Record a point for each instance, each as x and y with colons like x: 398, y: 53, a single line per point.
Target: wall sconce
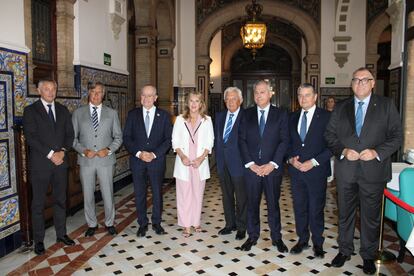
x: 211, y: 84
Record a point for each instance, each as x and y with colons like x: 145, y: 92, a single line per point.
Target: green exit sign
x: 330, y: 80
x: 107, y: 59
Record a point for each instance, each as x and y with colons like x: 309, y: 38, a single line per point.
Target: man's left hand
x: 102, y: 153
x: 306, y: 166
x: 368, y: 155
x: 266, y: 169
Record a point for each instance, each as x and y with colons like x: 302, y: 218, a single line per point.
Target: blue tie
x: 147, y: 123
x: 262, y: 123
x: 50, y: 113
x: 95, y: 121
x: 358, y: 119
x: 303, y: 126
x: 228, y: 128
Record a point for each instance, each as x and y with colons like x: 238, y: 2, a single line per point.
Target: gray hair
x: 152, y: 87
x: 306, y: 85
x: 233, y: 88
x: 262, y: 82
x: 94, y: 84
x: 41, y: 82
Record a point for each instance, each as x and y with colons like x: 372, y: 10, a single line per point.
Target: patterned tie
x: 95, y: 122
x: 228, y: 128
x: 50, y: 113
x: 359, y: 119
x: 303, y: 126
x: 262, y: 123
x: 147, y: 123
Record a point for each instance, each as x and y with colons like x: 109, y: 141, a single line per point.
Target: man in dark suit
x: 363, y: 132
x: 147, y: 137
x: 309, y: 167
x: 49, y: 134
x: 263, y: 141
x: 229, y: 164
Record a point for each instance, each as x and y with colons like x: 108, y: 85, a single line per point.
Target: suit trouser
x: 57, y: 178
x: 369, y: 198
x: 156, y: 177
x: 88, y: 176
x: 309, y: 197
x: 254, y: 188
x: 234, y: 200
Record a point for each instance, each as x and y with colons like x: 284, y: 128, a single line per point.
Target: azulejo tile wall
x: 116, y: 97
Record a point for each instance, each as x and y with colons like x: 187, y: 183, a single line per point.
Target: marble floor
x: 204, y: 253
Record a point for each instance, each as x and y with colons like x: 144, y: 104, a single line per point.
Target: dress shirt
x: 309, y: 117
x: 235, y: 113
x: 98, y: 110
x: 364, y: 106
x: 151, y: 116
x: 49, y: 155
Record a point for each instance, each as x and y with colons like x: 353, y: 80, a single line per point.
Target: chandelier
x: 253, y: 33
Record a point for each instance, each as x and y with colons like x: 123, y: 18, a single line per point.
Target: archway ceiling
x: 207, y: 7
x: 275, y: 26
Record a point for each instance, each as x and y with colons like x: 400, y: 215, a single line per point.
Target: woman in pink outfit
x: 192, y: 140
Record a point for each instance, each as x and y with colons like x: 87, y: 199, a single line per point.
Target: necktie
x: 261, y: 123
x: 95, y: 121
x: 228, y: 128
x: 358, y: 118
x: 303, y: 126
x: 50, y: 113
x: 147, y: 123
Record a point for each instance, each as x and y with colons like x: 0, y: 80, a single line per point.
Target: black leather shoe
x: 158, y: 229
x: 91, y: 231
x: 39, y: 248
x: 225, y: 231
x: 299, y: 247
x: 369, y: 267
x: 247, y: 245
x: 318, y: 252
x: 111, y: 230
x: 281, y: 247
x: 142, y: 230
x: 66, y: 240
x: 240, y: 235
x: 339, y: 260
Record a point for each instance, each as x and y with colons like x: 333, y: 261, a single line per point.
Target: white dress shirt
x: 235, y: 114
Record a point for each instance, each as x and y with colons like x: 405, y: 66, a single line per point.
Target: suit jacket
x: 314, y: 146
x: 273, y: 144
x: 381, y: 131
x: 42, y: 135
x: 159, y: 141
x: 228, y: 153
x: 108, y: 135
x: 181, y: 140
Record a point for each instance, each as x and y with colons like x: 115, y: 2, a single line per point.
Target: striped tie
x: 95, y: 122
x: 228, y: 128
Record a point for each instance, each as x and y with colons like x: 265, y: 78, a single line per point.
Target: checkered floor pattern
x: 205, y: 253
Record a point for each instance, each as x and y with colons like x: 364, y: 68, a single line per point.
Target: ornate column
x: 31, y: 88
x: 203, y: 75
x: 313, y: 72
x: 145, y: 58
x: 64, y: 30
x: 408, y: 120
x: 295, y: 84
x: 165, y: 74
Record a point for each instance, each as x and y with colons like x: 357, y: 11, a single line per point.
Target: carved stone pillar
x: 65, y: 52
x: 29, y: 43
x: 145, y: 58
x: 165, y: 74
x: 312, y: 62
x: 408, y: 123
x: 203, y: 75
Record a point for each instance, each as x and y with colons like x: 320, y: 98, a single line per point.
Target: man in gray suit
x: 97, y: 136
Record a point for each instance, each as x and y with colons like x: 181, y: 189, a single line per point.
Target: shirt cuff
x: 154, y: 155
x: 109, y: 151
x: 341, y: 157
x: 50, y: 154
x: 274, y: 164
x: 248, y: 164
x: 314, y: 162
x: 138, y: 154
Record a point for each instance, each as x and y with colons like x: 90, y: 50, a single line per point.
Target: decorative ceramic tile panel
x: 9, y: 216
x: 3, y: 107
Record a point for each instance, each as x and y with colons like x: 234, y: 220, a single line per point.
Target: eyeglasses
x: 363, y: 81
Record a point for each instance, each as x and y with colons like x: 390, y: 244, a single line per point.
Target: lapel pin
x: 158, y: 114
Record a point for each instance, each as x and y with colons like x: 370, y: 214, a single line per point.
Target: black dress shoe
x: 340, y: 259
x: 91, y: 231
x: 111, y: 230
x: 240, y: 235
x: 299, y: 247
x: 318, y: 252
x: 39, y: 248
x: 247, y: 245
x: 281, y: 247
x: 158, y: 229
x: 369, y: 267
x: 142, y: 230
x: 66, y: 240
x: 225, y: 231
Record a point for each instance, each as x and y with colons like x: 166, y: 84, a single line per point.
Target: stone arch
x: 308, y: 27
x: 374, y: 31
